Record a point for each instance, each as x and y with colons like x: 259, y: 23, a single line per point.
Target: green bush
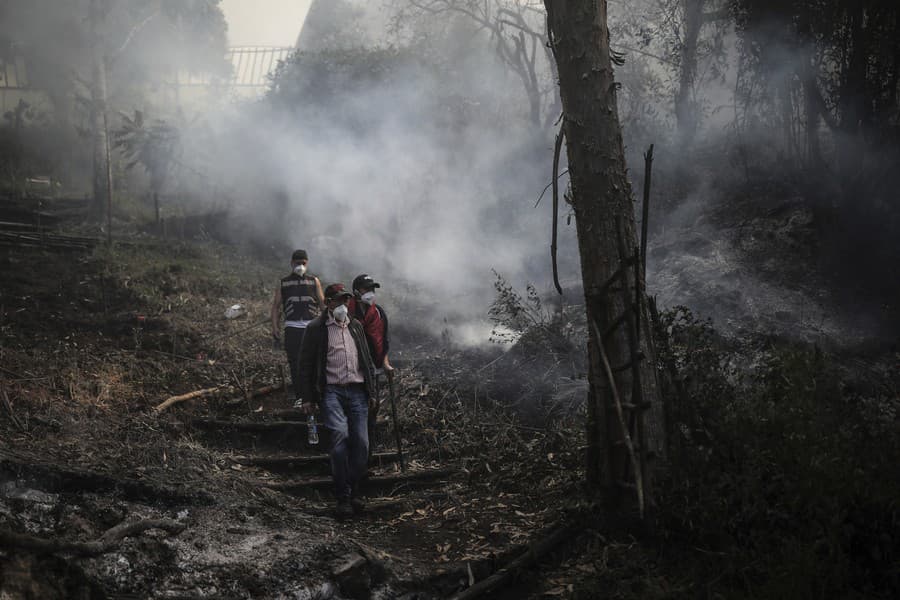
x: 783, y: 467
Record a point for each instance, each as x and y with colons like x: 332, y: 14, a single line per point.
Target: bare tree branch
x: 131, y: 34
x: 105, y: 543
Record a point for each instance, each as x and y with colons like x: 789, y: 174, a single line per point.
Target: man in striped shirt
x: 338, y: 377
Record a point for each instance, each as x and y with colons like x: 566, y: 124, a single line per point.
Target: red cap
x: 336, y: 290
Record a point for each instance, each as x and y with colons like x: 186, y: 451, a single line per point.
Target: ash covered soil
x: 227, y: 498
x: 94, y: 340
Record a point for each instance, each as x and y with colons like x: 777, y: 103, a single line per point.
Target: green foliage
x: 543, y: 373
x: 781, y: 474
x: 28, y: 148
x: 511, y: 314
x: 324, y: 75
x: 176, y: 274
x: 363, y: 87
x: 528, y: 323
x: 154, y: 146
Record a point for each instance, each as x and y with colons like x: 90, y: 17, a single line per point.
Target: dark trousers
x: 345, y: 411
x: 293, y: 339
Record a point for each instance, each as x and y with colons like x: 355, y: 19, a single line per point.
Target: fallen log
x: 257, y: 426
x: 59, y: 479
x: 287, y: 462
x: 102, y: 545
x: 380, y: 481
x: 190, y: 396
x: 535, y: 552
x: 263, y: 391
x: 247, y: 426
x: 371, y: 508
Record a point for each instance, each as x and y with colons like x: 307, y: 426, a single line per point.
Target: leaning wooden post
x: 557, y: 148
x: 648, y: 169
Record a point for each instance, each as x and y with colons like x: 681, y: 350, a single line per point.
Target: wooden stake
x: 621, y: 416
x: 645, y: 213
x: 556, y: 151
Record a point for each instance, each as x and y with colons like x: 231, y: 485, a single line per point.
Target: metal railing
x: 250, y: 67
x: 12, y: 73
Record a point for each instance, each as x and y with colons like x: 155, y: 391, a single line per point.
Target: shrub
x: 782, y: 471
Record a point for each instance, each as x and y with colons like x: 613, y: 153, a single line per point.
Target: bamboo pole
x: 638, y: 478
x: 645, y: 211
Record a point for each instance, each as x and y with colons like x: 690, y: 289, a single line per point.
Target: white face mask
x: 340, y: 313
x: 368, y: 298
x: 300, y: 269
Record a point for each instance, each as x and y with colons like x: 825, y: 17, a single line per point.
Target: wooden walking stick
x: 396, y: 423
x: 373, y: 417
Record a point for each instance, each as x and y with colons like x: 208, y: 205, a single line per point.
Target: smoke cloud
x: 383, y: 160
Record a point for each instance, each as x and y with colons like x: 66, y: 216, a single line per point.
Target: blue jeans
x: 345, y: 412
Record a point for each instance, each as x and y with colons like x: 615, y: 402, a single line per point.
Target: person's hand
x: 309, y: 408
x: 276, y: 336
x: 389, y: 372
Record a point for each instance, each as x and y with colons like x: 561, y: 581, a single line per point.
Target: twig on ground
x: 535, y: 552
x: 105, y: 543
x: 9, y: 409
x: 190, y: 396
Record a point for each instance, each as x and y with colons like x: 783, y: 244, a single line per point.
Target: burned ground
x: 780, y: 473
x: 94, y: 339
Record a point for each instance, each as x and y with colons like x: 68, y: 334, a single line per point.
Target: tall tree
x: 686, y: 40
x: 695, y: 14
x: 111, y: 46
x: 601, y: 200
x: 518, y: 32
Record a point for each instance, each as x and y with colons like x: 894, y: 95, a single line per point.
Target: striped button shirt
x: 342, y: 359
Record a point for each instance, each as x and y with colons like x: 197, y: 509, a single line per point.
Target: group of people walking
x: 337, y: 347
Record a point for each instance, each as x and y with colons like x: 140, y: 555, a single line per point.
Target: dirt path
x: 94, y: 339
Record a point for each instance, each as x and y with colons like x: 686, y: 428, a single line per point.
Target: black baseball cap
x: 364, y: 282
x: 336, y: 290
x: 299, y: 255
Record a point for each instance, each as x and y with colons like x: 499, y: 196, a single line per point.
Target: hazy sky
x: 264, y: 22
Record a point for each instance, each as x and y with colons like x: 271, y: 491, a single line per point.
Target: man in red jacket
x: 374, y: 321
x: 375, y: 324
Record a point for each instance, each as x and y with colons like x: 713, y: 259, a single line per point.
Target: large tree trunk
x: 686, y: 116
x: 854, y: 101
x: 601, y: 197
x: 101, y: 179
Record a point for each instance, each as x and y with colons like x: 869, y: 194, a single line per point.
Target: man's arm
x: 320, y: 295
x: 307, y: 363
x: 388, y: 368
x: 276, y: 313
x: 362, y: 349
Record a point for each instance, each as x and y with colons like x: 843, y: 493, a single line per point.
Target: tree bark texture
x: 601, y: 198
